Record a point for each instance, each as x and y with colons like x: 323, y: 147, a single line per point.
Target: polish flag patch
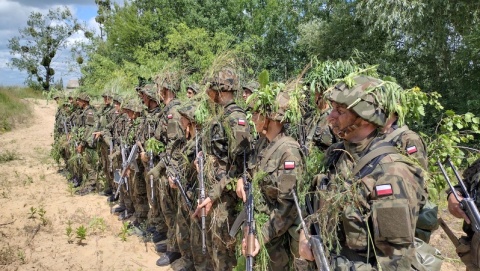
x: 412, y: 149
x: 241, y: 122
x: 170, y: 116
x: 384, y: 190
x: 289, y: 165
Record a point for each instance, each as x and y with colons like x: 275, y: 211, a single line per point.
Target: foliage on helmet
x: 223, y: 74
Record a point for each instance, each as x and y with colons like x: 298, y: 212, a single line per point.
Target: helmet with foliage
x: 149, y: 90
x: 277, y: 103
x: 252, y: 86
x: 363, y: 95
x: 134, y: 105
x: 225, y: 79
x: 169, y: 80
x: 83, y: 96
x: 118, y: 98
x: 107, y: 94
x: 188, y: 110
x: 194, y: 87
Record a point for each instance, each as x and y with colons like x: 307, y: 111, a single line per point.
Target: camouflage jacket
x: 87, y: 120
x: 118, y: 128
x: 384, y: 205
x: 103, y: 118
x: 317, y: 131
x: 226, y: 141
x: 410, y: 144
x: 282, y: 161
x: 62, y: 120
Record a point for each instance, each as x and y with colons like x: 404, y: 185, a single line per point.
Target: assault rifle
x: 150, y: 167
x: 250, y: 221
x: 467, y: 203
x: 123, y: 178
x: 201, y: 198
x: 314, y: 241
x: 110, y: 150
x: 176, y: 179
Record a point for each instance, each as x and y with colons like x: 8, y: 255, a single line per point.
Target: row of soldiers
x: 185, y: 181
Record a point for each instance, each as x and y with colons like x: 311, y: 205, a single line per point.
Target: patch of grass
x: 33, y: 212
x: 13, y: 110
x: 69, y: 232
x: 124, y: 231
x: 97, y: 225
x: 8, y: 156
x: 7, y: 255
x: 81, y: 234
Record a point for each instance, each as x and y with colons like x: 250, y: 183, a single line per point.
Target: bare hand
x: 304, y: 248
x: 455, y: 209
x: 196, y: 161
x: 172, y: 183
x: 241, y: 190
x: 255, y: 250
x: 144, y: 157
x: 97, y: 135
x: 207, y: 203
x: 79, y: 149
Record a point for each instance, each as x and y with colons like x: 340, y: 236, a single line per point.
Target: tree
x: 39, y: 42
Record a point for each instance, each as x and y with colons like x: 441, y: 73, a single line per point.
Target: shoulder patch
x: 289, y: 165
x: 241, y: 122
x: 170, y: 116
x: 412, y: 149
x: 384, y: 190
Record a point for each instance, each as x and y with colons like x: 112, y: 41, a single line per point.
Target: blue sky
x: 14, y: 15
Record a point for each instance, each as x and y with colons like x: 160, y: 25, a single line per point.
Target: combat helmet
x: 226, y: 79
x: 133, y: 105
x: 169, y: 80
x: 194, y: 87
x: 252, y: 86
x: 149, y: 91
x: 83, y: 96
x: 107, y: 94
x: 363, y: 95
x: 188, y: 110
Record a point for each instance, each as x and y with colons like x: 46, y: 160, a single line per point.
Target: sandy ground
x: 33, y: 243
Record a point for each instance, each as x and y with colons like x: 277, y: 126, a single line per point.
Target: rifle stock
x: 123, y: 178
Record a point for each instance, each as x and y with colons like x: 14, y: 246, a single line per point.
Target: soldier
x: 192, y: 90
x: 281, y: 161
x: 104, y: 117
x: 227, y: 141
x: 381, y: 190
x: 468, y: 246
x: 86, y: 121
x: 150, y: 122
x: 171, y: 135
x: 249, y: 88
x: 136, y: 188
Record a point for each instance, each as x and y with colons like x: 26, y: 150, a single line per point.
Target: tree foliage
x: 37, y: 45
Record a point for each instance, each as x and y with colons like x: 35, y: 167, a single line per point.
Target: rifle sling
x: 263, y: 162
x: 382, y: 150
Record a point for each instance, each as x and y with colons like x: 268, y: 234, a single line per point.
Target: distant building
x: 72, y: 84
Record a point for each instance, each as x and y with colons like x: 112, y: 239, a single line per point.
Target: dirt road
x: 31, y: 185
x: 31, y: 241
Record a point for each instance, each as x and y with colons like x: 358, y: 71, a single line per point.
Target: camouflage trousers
x: 182, y: 231
x: 201, y: 260
x: 154, y: 216
x: 168, y: 205
x: 138, y: 193
x: 468, y: 251
x: 105, y: 163
x: 222, y: 249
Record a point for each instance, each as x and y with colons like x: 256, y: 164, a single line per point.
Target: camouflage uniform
x: 387, y: 192
x: 318, y: 133
x: 104, y: 117
x: 469, y: 247
x: 137, y: 189
x: 151, y: 122
x: 283, y: 166
x: 86, y: 121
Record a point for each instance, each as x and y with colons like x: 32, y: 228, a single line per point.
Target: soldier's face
x: 190, y: 93
x: 260, y: 122
x: 341, y: 119
x: 107, y: 100
x: 246, y: 93
x: 213, y: 95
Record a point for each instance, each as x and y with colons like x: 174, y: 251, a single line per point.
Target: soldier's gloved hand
x: 144, y: 157
x: 455, y: 209
x: 304, y: 249
x: 241, y: 190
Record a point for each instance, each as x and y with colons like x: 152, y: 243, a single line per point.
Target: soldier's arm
x: 284, y: 216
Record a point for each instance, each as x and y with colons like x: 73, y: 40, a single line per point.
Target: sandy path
x: 32, y: 181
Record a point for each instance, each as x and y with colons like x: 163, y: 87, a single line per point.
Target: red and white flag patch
x: 170, y: 116
x: 241, y: 122
x: 289, y: 165
x: 384, y: 190
x: 412, y: 149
